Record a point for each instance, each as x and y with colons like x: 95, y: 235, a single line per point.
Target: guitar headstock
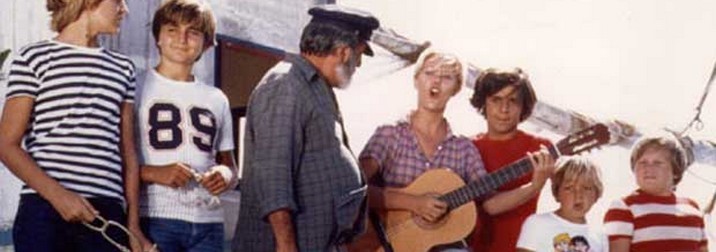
x: 584, y: 140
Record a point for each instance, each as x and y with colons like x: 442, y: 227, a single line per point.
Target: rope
x: 698, y: 124
x: 713, y: 183
x: 696, y: 121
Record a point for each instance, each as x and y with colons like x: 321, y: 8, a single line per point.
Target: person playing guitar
x: 506, y: 98
x: 398, y: 154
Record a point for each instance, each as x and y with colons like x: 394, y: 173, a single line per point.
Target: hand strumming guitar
x: 428, y: 207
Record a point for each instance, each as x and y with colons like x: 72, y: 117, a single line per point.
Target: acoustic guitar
x: 408, y: 232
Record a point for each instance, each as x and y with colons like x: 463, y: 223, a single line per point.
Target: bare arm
x: 283, y: 230
x: 620, y: 245
x: 543, y: 165
x: 130, y: 165
x: 131, y: 177
x: 15, y: 118
x: 171, y: 175
x: 508, y: 200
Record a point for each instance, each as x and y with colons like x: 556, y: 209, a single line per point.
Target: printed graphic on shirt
x: 564, y: 243
x: 165, y: 131
x: 181, y: 122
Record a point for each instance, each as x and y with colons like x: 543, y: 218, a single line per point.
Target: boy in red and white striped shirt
x: 653, y: 218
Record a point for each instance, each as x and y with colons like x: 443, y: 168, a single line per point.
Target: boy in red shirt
x: 506, y: 98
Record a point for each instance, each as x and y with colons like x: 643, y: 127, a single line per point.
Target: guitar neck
x: 491, y: 181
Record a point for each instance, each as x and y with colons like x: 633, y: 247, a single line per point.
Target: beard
x: 345, y: 71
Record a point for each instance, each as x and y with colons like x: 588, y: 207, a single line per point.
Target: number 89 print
x: 165, y: 131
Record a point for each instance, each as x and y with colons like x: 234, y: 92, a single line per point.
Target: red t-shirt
x: 499, y: 233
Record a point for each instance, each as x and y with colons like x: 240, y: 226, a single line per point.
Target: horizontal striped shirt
x: 656, y: 223
x: 73, y: 132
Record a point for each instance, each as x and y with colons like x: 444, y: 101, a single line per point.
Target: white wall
x: 21, y: 21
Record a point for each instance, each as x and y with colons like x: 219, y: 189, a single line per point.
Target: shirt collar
x: 307, y: 70
x: 642, y: 192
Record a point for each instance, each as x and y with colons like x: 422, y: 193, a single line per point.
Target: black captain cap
x: 358, y: 21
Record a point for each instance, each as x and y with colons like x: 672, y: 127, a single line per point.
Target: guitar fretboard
x: 490, y: 182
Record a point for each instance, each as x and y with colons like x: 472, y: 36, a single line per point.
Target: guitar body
x: 407, y: 232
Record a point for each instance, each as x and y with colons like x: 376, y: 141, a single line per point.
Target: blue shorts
x: 40, y: 228
x: 182, y: 236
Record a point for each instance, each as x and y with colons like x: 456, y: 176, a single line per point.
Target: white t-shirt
x: 184, y: 122
x: 548, y: 232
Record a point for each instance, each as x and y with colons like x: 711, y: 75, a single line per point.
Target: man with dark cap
x: 302, y: 189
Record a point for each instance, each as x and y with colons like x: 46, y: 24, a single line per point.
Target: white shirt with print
x: 548, y: 232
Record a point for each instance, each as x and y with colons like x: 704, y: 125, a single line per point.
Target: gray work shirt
x: 295, y: 158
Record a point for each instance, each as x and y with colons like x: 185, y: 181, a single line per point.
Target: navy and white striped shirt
x: 74, y: 129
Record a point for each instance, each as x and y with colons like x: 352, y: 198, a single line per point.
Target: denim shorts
x: 40, y: 228
x: 182, y: 236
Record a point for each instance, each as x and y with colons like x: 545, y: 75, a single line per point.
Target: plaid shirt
x: 396, y: 149
x: 296, y: 159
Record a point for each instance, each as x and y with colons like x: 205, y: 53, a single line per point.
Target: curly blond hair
x: 64, y: 12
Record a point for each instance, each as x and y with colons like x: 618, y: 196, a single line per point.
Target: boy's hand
x: 214, y: 183
x: 141, y: 243
x: 172, y: 175
x: 73, y: 207
x: 543, y: 164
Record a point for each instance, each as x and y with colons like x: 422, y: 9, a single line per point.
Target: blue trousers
x: 182, y: 236
x: 40, y: 228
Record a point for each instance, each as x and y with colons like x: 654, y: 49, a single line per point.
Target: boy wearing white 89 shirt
x: 184, y: 128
